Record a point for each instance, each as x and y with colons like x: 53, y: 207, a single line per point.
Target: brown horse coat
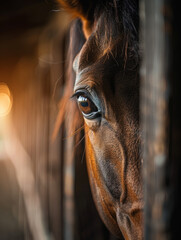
x: 107, y: 92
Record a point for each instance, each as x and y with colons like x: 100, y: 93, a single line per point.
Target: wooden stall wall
x: 160, y: 117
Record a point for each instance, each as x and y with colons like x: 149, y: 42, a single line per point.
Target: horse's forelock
x: 115, y: 31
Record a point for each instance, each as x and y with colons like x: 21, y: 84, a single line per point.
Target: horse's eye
x: 86, y: 105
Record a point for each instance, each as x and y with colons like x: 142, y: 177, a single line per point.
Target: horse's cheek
x: 106, y: 212
x: 101, y: 157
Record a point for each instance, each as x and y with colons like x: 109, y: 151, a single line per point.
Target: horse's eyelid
x: 76, y: 94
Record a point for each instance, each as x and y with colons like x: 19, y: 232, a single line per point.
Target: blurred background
x: 44, y: 192
x: 44, y: 189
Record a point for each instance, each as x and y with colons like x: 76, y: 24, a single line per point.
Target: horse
x: 105, y: 58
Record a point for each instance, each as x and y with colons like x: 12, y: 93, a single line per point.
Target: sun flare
x: 5, y: 100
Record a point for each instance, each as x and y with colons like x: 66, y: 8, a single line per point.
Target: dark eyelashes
x: 76, y: 94
x: 79, y: 93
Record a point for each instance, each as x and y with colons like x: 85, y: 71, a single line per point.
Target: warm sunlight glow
x: 5, y: 100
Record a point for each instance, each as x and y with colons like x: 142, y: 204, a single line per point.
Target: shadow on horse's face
x: 107, y: 91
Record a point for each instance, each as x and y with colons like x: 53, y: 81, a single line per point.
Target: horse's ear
x: 84, y: 9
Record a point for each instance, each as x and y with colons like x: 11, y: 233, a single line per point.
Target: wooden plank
x: 154, y: 116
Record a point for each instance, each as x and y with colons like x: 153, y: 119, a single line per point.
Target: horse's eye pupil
x: 86, y: 105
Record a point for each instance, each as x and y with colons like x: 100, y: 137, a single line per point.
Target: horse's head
x: 107, y: 91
